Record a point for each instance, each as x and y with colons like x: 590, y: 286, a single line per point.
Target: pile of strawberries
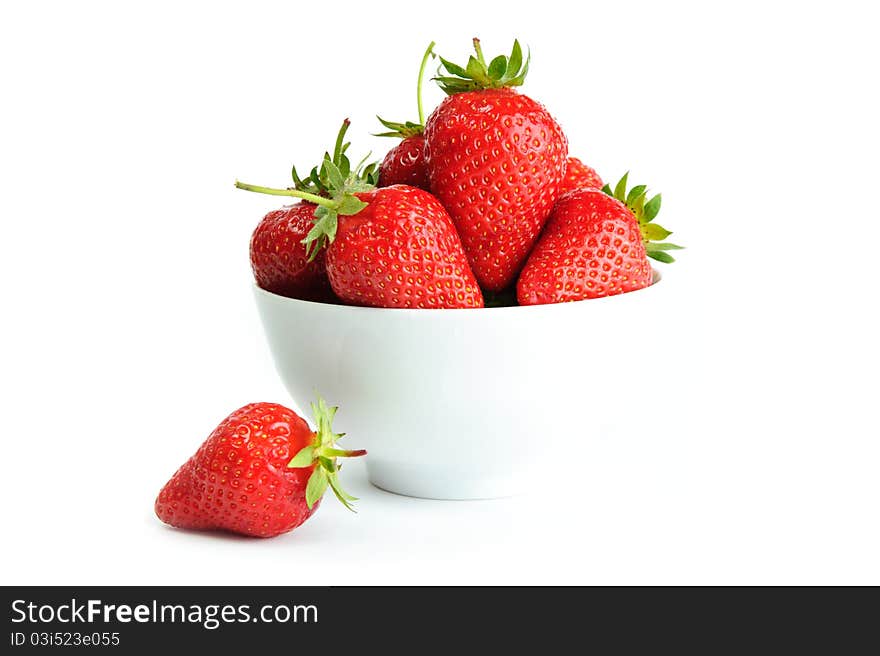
x: 479, y: 205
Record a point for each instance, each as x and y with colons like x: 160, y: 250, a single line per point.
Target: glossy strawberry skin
x: 401, y: 251
x: 580, y: 176
x: 278, y: 256
x: 496, y: 160
x: 405, y: 164
x: 239, y: 481
x: 591, y: 247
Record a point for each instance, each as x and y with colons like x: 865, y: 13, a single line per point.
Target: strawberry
x: 401, y: 250
x: 405, y: 163
x: 261, y: 472
x: 388, y: 247
x: 279, y: 259
x: 496, y: 160
x: 580, y: 176
x: 596, y: 243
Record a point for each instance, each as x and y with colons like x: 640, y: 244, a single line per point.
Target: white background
x: 129, y: 328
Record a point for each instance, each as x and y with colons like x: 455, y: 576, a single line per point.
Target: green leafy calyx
x: 332, y: 187
x: 323, y: 454
x: 325, y: 180
x: 400, y: 130
x: 502, y: 71
x: 645, y: 210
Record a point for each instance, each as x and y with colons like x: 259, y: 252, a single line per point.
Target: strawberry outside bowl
x: 465, y: 404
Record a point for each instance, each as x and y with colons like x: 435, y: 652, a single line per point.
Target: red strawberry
x: 496, y: 160
x: 401, y: 251
x: 279, y: 259
x: 580, y: 176
x: 405, y: 163
x: 389, y: 247
x: 262, y: 472
x: 594, y: 245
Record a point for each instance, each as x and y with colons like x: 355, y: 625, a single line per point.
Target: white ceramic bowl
x: 465, y: 404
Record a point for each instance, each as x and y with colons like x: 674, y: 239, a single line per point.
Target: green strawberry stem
x: 312, y: 198
x: 322, y: 454
x: 501, y: 72
x: 645, y: 210
x: 343, y: 453
x: 425, y: 57
x: 410, y: 129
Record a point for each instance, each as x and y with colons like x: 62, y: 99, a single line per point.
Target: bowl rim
x: 656, y: 278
